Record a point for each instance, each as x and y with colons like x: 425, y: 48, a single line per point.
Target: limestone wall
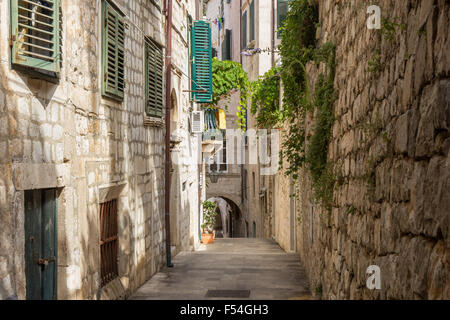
x: 391, y: 143
x: 67, y: 136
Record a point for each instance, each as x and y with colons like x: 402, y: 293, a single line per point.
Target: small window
x: 223, y: 163
x: 252, y: 21
x: 35, y: 34
x: 154, y: 69
x: 282, y: 10
x: 219, y: 163
x: 227, y: 46
x: 244, y: 30
x: 113, y: 52
x: 109, y: 242
x: 254, y: 184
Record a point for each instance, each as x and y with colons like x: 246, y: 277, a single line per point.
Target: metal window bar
x: 109, y: 242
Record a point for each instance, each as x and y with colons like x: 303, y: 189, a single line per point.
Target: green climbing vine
x: 265, y: 99
x: 299, y: 150
x: 228, y: 78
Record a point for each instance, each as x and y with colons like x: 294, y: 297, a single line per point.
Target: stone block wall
x: 65, y: 135
x: 391, y: 148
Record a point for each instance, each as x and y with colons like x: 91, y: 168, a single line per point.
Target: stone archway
x: 232, y: 224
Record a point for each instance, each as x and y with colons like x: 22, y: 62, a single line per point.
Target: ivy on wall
x: 228, y: 78
x: 265, y: 99
x: 298, y: 47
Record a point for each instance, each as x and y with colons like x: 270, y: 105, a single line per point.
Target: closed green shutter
x: 154, y: 68
x: 201, y: 58
x: 252, y: 21
x: 35, y: 34
x: 113, y: 52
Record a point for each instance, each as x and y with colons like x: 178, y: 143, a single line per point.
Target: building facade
x: 82, y: 146
x: 225, y: 22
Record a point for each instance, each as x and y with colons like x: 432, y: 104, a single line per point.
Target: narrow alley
x: 224, y: 149
x: 230, y: 269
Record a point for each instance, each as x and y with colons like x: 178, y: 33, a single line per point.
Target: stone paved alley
x: 235, y: 265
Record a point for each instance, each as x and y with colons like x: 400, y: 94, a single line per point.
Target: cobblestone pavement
x: 238, y: 268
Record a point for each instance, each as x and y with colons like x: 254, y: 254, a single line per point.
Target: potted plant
x: 209, y: 221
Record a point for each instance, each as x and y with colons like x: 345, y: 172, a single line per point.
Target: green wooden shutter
x: 154, y: 69
x: 252, y: 21
x: 244, y: 30
x: 35, y: 34
x: 113, y: 52
x: 201, y: 59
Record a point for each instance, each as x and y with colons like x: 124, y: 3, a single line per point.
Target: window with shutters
x: 201, y: 62
x: 113, y: 51
x: 154, y: 70
x: 35, y: 35
x: 244, y: 30
x: 198, y: 124
x: 227, y: 46
x: 252, y: 21
x: 219, y: 163
x: 282, y: 9
x: 109, y: 242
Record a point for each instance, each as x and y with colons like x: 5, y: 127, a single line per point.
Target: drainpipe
x: 168, y: 11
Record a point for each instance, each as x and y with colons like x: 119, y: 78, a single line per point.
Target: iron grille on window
x: 109, y: 242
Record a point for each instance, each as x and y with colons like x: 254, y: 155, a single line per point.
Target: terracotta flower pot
x: 207, y: 238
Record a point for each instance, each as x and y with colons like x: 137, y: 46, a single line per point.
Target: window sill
x: 153, y: 122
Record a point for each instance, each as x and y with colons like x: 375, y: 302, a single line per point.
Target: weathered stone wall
x: 93, y: 149
x: 184, y: 207
x: 391, y: 145
x: 281, y: 231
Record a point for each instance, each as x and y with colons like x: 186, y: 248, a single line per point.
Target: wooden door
x: 41, y: 244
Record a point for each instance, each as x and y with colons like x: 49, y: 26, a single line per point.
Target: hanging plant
x: 229, y: 78
x: 297, y: 49
x: 265, y: 99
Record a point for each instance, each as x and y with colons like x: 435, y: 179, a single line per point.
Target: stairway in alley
x: 230, y: 269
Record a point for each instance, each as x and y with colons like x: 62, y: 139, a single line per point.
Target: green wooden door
x: 40, y: 244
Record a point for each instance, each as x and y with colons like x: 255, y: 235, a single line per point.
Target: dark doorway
x: 41, y: 244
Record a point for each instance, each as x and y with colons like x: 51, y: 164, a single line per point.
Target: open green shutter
x: 201, y: 62
x: 113, y: 52
x: 35, y: 34
x: 154, y: 68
